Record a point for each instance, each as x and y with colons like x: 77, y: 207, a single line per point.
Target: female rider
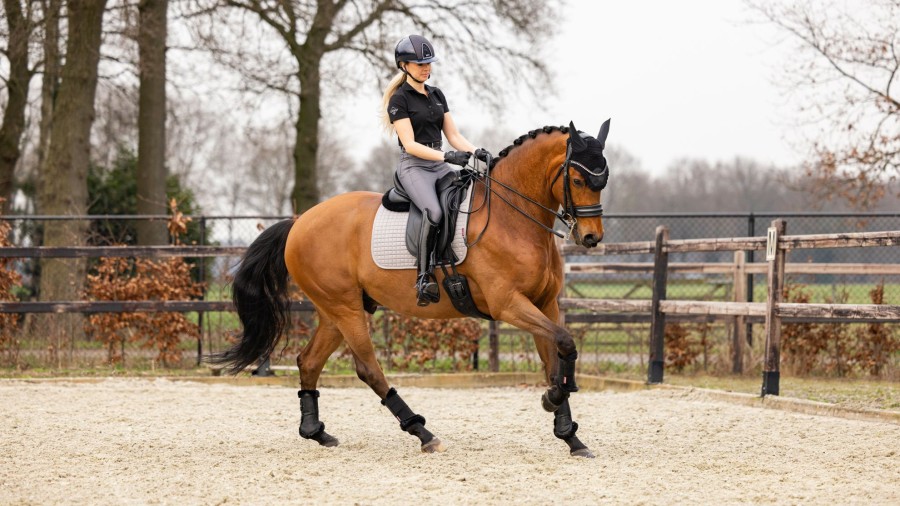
x: 419, y: 113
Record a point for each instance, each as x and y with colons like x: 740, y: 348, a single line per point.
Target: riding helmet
x: 415, y: 49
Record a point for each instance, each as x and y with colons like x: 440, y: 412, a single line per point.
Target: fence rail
x: 657, y: 310
x: 131, y: 306
x: 121, y: 251
x: 776, y: 244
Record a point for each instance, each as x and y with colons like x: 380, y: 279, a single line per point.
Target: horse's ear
x: 575, y: 139
x: 604, y: 132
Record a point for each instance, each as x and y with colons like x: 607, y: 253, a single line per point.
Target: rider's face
x: 420, y: 71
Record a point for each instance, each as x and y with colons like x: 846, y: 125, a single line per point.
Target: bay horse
x: 514, y: 269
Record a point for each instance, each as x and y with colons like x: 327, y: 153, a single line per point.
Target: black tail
x: 260, y: 295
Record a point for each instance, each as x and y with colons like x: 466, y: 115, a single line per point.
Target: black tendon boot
x: 566, y: 375
x: 411, y: 422
x: 564, y: 428
x: 562, y: 384
x: 426, y: 285
x: 310, y: 426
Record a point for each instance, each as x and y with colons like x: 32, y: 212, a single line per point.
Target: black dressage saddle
x: 451, y: 190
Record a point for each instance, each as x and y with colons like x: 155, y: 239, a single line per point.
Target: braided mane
x: 530, y: 135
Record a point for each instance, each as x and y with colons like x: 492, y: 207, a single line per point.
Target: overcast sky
x: 692, y: 78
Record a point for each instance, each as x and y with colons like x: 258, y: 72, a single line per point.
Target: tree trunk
x: 309, y: 58
x: 306, y: 149
x: 151, y: 164
x: 17, y: 86
x: 50, y: 80
x: 63, y: 179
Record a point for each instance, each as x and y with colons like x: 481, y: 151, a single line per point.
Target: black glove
x: 457, y: 157
x: 483, y: 154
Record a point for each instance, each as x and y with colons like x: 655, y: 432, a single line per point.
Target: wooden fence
x: 773, y: 311
x: 657, y: 309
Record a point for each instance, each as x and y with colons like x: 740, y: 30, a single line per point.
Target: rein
x: 565, y: 217
x: 568, y: 215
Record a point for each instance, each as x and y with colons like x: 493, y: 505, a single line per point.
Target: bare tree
x: 264, y: 186
x: 357, y: 37
x: 151, y: 165
x: 63, y: 181
x: 845, y: 73
x: 376, y: 172
x: 629, y: 183
x: 50, y: 80
x: 20, y: 25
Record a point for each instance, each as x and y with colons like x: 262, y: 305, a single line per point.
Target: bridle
x: 570, y: 212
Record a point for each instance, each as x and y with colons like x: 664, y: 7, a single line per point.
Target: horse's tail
x: 260, y: 295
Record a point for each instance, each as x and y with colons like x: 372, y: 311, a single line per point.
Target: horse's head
x: 584, y: 174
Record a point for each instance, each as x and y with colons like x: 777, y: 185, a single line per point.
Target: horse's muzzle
x: 591, y: 240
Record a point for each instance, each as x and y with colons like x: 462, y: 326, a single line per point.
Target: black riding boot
x: 426, y: 284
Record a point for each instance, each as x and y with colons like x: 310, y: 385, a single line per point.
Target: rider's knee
x: 435, y: 215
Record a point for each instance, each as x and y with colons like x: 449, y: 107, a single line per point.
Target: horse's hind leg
x: 356, y: 333
x: 310, y: 361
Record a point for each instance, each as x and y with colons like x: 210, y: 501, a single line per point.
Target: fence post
x: 751, y: 229
x: 739, y: 294
x: 201, y: 277
x: 776, y: 258
x: 657, y: 317
x: 264, y: 369
x: 494, y: 345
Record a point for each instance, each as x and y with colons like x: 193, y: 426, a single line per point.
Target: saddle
x: 451, y: 190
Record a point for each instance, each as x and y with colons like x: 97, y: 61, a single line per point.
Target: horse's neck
x: 526, y: 170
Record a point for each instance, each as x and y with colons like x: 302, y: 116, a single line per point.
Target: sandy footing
x: 136, y: 441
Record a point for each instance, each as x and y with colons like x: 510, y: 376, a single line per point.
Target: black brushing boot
x: 565, y: 428
x: 427, y: 290
x: 310, y: 426
x: 562, y: 384
x: 411, y: 422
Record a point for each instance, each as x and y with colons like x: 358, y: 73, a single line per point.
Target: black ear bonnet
x: 587, y: 156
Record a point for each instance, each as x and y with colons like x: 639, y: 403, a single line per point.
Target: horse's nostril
x: 591, y: 240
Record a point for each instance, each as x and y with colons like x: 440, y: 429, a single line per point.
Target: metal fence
x: 619, y: 347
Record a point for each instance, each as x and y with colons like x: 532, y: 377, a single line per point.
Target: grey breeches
x: 419, y: 177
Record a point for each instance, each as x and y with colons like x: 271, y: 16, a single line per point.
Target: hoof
x: 583, y: 452
x: 434, y: 446
x: 328, y: 440
x: 325, y: 439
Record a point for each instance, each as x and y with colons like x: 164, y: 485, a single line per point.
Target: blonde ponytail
x: 393, y: 86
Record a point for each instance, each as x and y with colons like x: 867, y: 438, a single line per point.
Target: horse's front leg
x: 564, y: 428
x: 558, y: 352
x: 550, y: 337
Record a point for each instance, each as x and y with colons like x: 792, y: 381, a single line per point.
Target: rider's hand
x: 483, y: 154
x: 457, y: 157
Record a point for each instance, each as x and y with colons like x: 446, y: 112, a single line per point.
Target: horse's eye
x: 578, y: 182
